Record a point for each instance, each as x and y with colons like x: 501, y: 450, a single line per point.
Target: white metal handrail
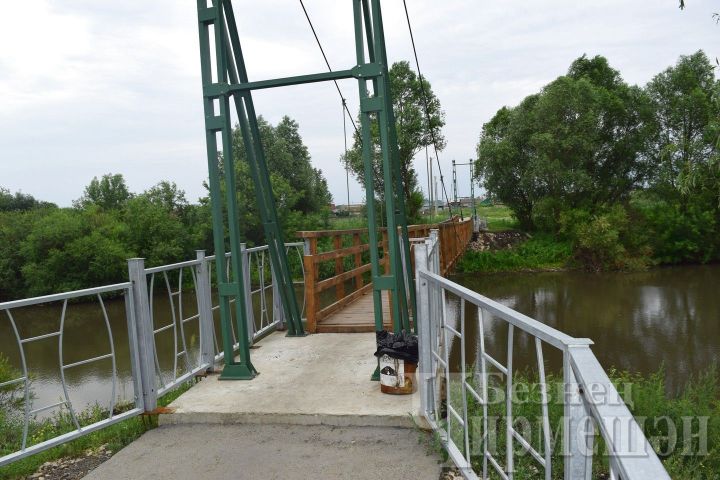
x: 589, y: 397
x: 29, y: 412
x: 149, y: 381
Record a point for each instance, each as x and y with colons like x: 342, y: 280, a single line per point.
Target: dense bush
x: 629, y: 175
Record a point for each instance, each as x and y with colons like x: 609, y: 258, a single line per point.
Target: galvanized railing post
x: 145, y: 335
x: 204, y: 300
x: 422, y: 326
x: 577, y: 427
x: 249, y: 309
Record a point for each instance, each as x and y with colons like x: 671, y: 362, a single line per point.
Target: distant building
x: 354, y: 209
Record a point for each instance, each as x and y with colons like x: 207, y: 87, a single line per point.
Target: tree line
x: 628, y: 175
x: 46, y: 249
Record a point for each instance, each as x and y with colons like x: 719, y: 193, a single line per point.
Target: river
x: 639, y: 321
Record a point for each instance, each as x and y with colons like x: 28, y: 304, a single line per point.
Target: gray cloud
x: 103, y: 87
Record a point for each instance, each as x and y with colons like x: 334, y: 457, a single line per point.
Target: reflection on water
x: 86, y: 336
x: 638, y: 321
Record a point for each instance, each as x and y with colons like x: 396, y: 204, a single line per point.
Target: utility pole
x: 472, y: 187
x: 455, y: 199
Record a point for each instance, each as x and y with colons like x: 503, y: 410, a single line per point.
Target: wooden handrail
x: 454, y: 236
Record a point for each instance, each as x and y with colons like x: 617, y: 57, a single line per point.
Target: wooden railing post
x: 340, y: 287
x: 358, y: 261
x: 311, y: 278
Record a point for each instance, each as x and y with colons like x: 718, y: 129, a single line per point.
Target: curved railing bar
x: 151, y: 296
x: 68, y: 403
x: 112, y: 353
x: 182, y: 321
x: 264, y: 316
x: 25, y: 377
x: 174, y: 324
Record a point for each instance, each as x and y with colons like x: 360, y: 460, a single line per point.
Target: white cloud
x: 91, y: 87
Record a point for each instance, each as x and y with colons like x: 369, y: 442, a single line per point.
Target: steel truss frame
x: 226, y: 78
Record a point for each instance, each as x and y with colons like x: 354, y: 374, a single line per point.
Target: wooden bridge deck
x: 357, y: 317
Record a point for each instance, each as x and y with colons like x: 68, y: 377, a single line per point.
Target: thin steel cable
x: 347, y: 166
x: 427, y: 109
x: 322, y: 50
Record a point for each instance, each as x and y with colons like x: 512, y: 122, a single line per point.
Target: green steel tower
x: 224, y: 77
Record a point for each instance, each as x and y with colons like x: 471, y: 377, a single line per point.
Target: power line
x: 427, y: 109
x: 328, y: 65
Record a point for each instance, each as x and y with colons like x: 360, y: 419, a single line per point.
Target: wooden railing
x: 339, y: 260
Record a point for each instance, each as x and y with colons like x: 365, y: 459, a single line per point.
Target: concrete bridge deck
x: 321, y: 379
x: 311, y: 413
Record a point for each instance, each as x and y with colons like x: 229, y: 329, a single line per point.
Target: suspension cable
x: 322, y: 50
x: 427, y: 109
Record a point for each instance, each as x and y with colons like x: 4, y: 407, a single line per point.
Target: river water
x: 639, y: 321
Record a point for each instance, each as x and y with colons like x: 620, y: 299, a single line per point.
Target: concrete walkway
x: 321, y: 379
x: 215, y: 452
x: 311, y: 413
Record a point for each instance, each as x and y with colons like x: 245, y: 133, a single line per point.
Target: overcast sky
x: 90, y: 87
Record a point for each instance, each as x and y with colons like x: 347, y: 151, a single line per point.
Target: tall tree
x: 109, y: 193
x: 687, y: 106
x: 301, y: 192
x: 414, y: 132
x: 580, y: 142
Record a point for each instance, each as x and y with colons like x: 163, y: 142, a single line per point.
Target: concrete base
x: 320, y: 379
x: 268, y: 452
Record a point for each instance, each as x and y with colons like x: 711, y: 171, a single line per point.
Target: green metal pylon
x: 232, y: 80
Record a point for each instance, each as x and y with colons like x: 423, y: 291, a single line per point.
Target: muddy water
x: 666, y: 317
x: 85, y: 335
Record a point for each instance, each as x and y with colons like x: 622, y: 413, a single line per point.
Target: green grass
x: 689, y: 458
x: 499, y: 218
x: 115, y: 436
x: 541, y: 252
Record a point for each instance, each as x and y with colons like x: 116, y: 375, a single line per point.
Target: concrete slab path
x: 214, y: 452
x: 321, y: 379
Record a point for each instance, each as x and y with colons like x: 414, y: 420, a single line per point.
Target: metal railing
x: 29, y: 410
x: 454, y: 402
x: 189, y: 291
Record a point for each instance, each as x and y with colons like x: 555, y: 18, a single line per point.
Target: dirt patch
x: 487, y: 241
x: 71, y: 468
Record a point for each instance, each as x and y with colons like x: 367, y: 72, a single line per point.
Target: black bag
x: 403, y: 346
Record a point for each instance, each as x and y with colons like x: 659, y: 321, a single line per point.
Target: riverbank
x: 72, y: 460
x: 514, y: 251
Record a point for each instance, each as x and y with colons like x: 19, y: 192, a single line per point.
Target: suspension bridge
x: 248, y: 336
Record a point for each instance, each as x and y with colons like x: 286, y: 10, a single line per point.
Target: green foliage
x: 576, y: 144
x: 662, y: 415
x: 605, y: 240
x: 414, y: 132
x: 45, y: 249
x: 677, y: 233
x: 114, y: 437
x: 541, y: 252
x: 20, y: 202
x: 69, y: 250
x: 685, y: 150
x: 301, y: 192
x: 628, y: 176
x: 109, y: 193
